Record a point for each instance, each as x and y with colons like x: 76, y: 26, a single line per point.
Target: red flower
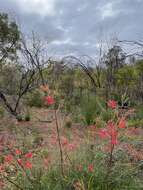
x: 122, y: 123
x: 71, y: 146
x: 64, y: 141
x: 111, y: 128
x: 29, y: 155
x: 112, y: 104
x: 8, y: 158
x: 19, y: 161
x: 112, y: 132
x: 49, y: 100
x: 103, y: 133
x: 90, y: 168
x: 114, y: 140
x: 18, y: 152
x: 28, y: 165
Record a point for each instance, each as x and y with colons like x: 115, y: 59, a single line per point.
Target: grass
x: 85, y: 157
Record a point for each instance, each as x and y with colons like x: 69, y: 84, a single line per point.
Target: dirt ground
x: 43, y: 122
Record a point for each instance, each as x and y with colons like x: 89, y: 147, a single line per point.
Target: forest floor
x: 43, y: 125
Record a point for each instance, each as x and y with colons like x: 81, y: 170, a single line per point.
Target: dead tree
x: 31, y: 66
x: 36, y: 56
x: 26, y: 83
x: 74, y: 61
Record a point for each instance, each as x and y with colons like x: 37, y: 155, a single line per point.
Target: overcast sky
x: 77, y: 26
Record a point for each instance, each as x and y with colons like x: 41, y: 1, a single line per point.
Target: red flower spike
x: 111, y: 128
x: 28, y: 165
x: 103, y: 133
x: 64, y: 141
x: 19, y: 161
x: 29, y: 155
x: 8, y: 158
x: 18, y: 152
x: 112, y: 132
x: 112, y: 104
x: 114, y: 140
x: 122, y: 123
x: 71, y: 147
x: 90, y: 168
x: 49, y: 100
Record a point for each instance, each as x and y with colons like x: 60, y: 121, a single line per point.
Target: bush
x: 91, y: 107
x: 106, y: 115
x: 34, y: 99
x: 19, y: 118
x: 27, y: 117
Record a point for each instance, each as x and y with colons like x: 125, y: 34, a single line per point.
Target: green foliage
x: 126, y: 76
x: 27, y: 117
x: 19, y: 118
x: 139, y: 67
x: 139, y: 112
x: 91, y: 107
x: 137, y: 119
x: 88, y: 110
x: 34, y: 99
x: 122, y: 175
x: 135, y: 123
x: 2, y: 112
x: 106, y: 115
x: 9, y: 78
x: 9, y: 37
x: 123, y: 83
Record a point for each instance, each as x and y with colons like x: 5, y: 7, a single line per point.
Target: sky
x: 71, y: 27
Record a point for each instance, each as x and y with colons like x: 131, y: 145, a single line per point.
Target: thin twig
x: 59, y: 141
x: 16, y: 185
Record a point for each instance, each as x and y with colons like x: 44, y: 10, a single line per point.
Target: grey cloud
x: 83, y: 22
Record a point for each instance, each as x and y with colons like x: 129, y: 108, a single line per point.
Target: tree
x: 126, y: 80
x: 9, y: 38
x: 18, y: 74
x: 113, y: 60
x: 115, y: 57
x: 139, y: 86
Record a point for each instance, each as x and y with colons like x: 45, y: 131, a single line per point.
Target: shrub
x: 34, y: 99
x: 27, y: 117
x: 19, y: 118
x: 91, y: 107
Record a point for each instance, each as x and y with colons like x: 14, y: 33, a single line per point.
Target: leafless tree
x: 137, y: 47
x: 74, y: 61
x: 30, y: 67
